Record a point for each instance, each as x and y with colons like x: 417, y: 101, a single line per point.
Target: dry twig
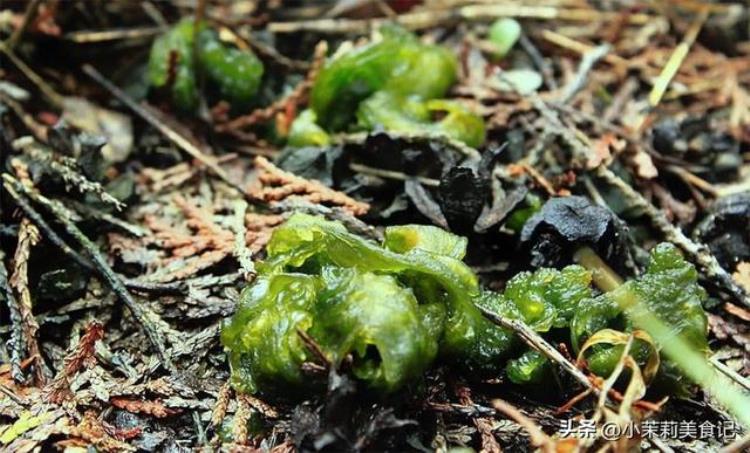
x: 63, y: 215
x: 537, y: 437
x: 28, y: 17
x: 430, y: 18
x: 483, y: 424
x: 16, y: 336
x: 82, y: 355
x: 700, y: 254
x: 535, y: 341
x: 154, y: 408
x: 676, y: 59
x: 277, y: 184
x: 28, y: 236
x: 152, y: 118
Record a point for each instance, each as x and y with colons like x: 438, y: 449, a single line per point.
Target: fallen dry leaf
x: 603, y: 150
x: 644, y: 166
x: 742, y: 275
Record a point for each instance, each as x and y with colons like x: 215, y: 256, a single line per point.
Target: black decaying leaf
x: 381, y: 420
x: 344, y: 421
x: 91, y: 158
x: 321, y: 164
x: 60, y: 138
x: 714, y: 155
x: 66, y: 283
x: 463, y: 194
x: 424, y: 202
x: 563, y: 225
x: 726, y: 230
x: 499, y: 210
x: 85, y: 148
x: 418, y: 158
x: 330, y: 425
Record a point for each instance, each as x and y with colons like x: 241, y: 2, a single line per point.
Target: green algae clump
x: 388, y: 311
x: 391, y: 308
x: 188, y: 50
x: 396, y: 83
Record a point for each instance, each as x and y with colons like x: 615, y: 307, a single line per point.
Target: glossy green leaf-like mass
x: 668, y: 289
x: 389, y: 310
x: 393, y: 83
x: 175, y: 47
x: 432, y: 274
x: 391, y: 337
x: 548, y: 298
x: 397, y: 63
x: 410, y: 114
x: 234, y: 73
x: 306, y: 132
x: 503, y: 34
x: 264, y: 348
x: 530, y: 367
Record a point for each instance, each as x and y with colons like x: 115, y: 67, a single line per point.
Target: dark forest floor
x: 119, y: 263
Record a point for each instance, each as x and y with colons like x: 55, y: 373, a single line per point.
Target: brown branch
x: 151, y: 117
x: 154, y: 408
x: 28, y: 16
x: 52, y: 96
x: 483, y: 424
x: 59, y: 389
x: 277, y: 184
x: 315, y: 349
x: 537, y: 437
x: 28, y: 236
x: 37, y: 129
x: 220, y: 407
x: 431, y: 18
